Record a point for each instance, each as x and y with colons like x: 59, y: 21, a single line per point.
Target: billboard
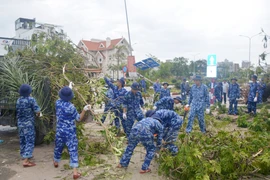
x: 211, y: 66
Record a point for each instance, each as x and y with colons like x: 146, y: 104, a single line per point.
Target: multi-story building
x: 107, y: 54
x: 236, y: 67
x: 26, y: 28
x: 245, y: 64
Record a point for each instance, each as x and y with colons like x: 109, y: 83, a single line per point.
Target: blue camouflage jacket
x: 66, y: 115
x: 164, y: 93
x: 26, y: 109
x: 150, y: 125
x: 199, y: 97
x: 234, y: 91
x: 157, y: 87
x: 165, y: 103
x: 218, y: 91
x: 119, y: 94
x: 133, y: 101
x: 166, y: 117
x: 253, y: 90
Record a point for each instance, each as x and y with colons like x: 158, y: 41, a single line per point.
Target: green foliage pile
x: 224, y: 155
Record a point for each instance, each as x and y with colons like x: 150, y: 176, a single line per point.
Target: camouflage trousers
x: 27, y: 141
x: 252, y: 106
x: 192, y: 114
x: 132, y: 115
x: 66, y: 137
x: 233, y: 106
x: 147, y: 140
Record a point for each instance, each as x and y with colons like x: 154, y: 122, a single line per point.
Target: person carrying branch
x: 143, y: 132
x: 66, y: 115
x: 172, y: 123
x: 132, y: 107
x: 167, y: 103
x: 119, y: 92
x: 26, y: 109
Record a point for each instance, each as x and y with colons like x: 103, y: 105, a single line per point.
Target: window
x: 101, y: 46
x: 100, y: 60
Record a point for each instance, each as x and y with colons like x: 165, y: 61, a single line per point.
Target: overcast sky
x: 164, y: 28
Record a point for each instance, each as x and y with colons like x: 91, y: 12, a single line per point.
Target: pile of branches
x: 219, y: 155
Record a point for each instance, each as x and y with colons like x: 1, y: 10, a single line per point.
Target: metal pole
x: 128, y: 28
x: 249, y: 52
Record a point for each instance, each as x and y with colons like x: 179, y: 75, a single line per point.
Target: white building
x: 106, y: 54
x: 11, y: 44
x: 25, y: 28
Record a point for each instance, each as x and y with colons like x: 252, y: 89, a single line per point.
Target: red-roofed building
x: 105, y: 54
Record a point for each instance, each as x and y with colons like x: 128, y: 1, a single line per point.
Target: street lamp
x: 194, y: 55
x: 250, y: 45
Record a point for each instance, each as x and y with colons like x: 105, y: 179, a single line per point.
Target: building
x: 26, y: 28
x: 12, y: 44
x: 107, y: 54
x: 236, y: 67
x: 245, y: 64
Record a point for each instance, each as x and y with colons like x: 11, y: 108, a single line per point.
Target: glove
x: 255, y: 99
x: 155, y: 107
x: 144, y: 111
x: 207, y: 111
x: 124, y: 116
x: 71, y: 84
x: 87, y: 107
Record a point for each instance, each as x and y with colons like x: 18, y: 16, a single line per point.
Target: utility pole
x: 128, y: 28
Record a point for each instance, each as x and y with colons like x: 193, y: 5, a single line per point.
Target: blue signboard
x: 212, y: 60
x: 125, y: 69
x: 141, y: 66
x: 150, y: 62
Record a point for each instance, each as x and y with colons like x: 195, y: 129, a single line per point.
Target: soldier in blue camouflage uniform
x: 27, y: 109
x: 157, y: 89
x: 233, y: 95
x: 119, y: 92
x: 143, y: 84
x: 199, y: 100
x: 165, y: 92
x: 172, y: 123
x: 108, y: 105
x: 66, y: 115
x: 167, y: 103
x: 262, y: 87
x: 133, y: 104
x: 253, y: 95
x: 157, y: 86
x: 183, y: 90
x: 143, y: 132
x: 218, y: 92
